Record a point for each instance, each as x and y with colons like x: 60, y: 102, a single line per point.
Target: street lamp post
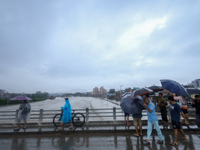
x: 120, y: 90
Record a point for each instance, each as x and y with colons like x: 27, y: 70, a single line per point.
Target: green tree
x: 112, y: 91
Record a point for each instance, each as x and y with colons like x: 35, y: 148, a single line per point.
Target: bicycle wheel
x: 57, y: 120
x: 78, y: 119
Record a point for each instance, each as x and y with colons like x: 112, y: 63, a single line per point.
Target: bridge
x: 103, y: 129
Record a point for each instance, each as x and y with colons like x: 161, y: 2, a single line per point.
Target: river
x: 58, y: 102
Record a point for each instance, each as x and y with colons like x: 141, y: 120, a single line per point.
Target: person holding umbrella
x: 126, y: 115
x: 131, y: 105
x: 175, y: 111
x: 24, y: 113
x: 152, y: 121
x: 137, y: 121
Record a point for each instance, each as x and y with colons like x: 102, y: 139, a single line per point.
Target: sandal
x: 136, y: 135
x: 173, y: 144
x: 160, y: 142
x: 146, y: 142
x: 140, y: 135
x: 185, y: 140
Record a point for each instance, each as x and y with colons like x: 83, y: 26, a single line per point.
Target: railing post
x: 114, y: 114
x: 87, y: 115
x: 16, y: 116
x: 40, y: 117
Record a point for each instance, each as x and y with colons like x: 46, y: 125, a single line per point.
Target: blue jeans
x: 149, y: 130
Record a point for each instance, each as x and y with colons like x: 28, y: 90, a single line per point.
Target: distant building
x: 196, y: 83
x: 102, y: 91
x: 3, y: 93
x: 96, y: 91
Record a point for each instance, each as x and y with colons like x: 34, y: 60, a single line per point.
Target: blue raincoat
x: 67, y: 114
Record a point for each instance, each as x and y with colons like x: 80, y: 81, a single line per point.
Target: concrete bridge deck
x: 102, y: 137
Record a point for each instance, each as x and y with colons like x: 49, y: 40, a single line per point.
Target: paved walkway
x: 101, y: 137
x: 33, y: 130
x: 97, y: 141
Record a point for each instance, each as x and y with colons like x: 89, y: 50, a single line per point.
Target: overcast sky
x: 71, y: 46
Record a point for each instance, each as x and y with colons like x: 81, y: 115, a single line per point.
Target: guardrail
x: 106, y: 114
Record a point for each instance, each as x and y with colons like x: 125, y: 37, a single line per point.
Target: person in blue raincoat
x: 67, y: 115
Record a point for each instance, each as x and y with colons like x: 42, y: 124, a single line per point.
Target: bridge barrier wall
x: 103, y: 115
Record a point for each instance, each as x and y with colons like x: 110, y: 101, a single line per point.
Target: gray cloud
x: 72, y: 46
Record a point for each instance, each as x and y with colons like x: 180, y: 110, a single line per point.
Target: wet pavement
x: 101, y: 141
x: 107, y: 137
x: 46, y: 130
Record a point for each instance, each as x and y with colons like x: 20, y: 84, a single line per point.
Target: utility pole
x: 120, y: 91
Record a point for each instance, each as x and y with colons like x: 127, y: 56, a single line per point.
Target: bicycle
x: 78, y: 119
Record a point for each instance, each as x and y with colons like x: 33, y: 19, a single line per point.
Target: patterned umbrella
x: 21, y: 98
x: 174, y: 87
x: 141, y: 91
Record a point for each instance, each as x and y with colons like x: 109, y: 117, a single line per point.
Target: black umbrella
x: 132, y: 105
x: 174, y: 87
x: 141, y: 91
x: 156, y: 88
x: 193, y: 91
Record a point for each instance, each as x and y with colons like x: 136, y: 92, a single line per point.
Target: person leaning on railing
x: 196, y: 105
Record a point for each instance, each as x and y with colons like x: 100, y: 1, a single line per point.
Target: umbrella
x: 141, y: 91
x: 132, y: 105
x: 126, y: 93
x: 174, y: 87
x: 156, y: 88
x: 193, y: 91
x: 21, y: 98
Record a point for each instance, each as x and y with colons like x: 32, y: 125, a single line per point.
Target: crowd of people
x: 177, y: 105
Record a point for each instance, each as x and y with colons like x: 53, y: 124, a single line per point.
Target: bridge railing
x: 91, y: 115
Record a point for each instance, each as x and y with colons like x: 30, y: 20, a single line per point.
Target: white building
x: 196, y: 83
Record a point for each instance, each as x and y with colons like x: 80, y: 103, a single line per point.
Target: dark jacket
x: 197, y: 106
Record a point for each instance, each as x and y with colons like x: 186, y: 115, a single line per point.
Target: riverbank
x: 5, y: 102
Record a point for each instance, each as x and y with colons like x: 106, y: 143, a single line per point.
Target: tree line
x: 35, y: 97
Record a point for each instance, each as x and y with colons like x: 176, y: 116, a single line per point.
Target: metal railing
x: 105, y: 114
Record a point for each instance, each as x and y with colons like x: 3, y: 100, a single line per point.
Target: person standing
x: 23, y: 114
x: 137, y: 121
x: 126, y: 119
x: 67, y: 114
x: 175, y: 111
x: 152, y: 121
x: 196, y: 105
x: 162, y: 105
x: 126, y: 115
x: 183, y: 104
